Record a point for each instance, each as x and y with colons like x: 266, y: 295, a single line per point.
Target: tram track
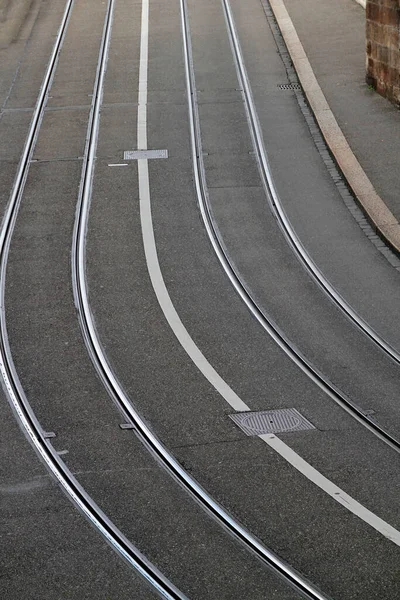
x: 20, y: 403
x: 113, y: 385
x: 265, y: 320
x: 278, y: 210
x: 40, y: 440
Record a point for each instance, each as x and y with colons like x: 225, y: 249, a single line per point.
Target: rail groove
x: 265, y: 320
x: 114, y: 387
x: 10, y: 380
x: 278, y: 210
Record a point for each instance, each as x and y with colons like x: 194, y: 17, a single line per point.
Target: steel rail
x: 10, y: 380
x: 119, y: 396
x: 278, y: 210
x: 268, y: 324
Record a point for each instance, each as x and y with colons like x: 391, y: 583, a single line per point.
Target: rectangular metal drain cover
x: 137, y: 154
x: 282, y: 420
x: 289, y: 86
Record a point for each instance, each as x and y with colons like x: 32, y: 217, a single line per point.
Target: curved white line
x: 150, y: 248
x: 165, y: 301
x: 192, y: 349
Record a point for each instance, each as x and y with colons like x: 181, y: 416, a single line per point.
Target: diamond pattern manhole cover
x: 271, y: 421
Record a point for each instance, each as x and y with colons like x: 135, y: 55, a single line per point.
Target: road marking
x: 149, y: 243
x: 118, y: 164
x: 142, y: 96
x: 183, y: 335
x: 330, y: 488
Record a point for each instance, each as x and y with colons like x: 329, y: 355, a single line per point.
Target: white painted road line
x: 149, y: 243
x: 331, y: 489
x: 183, y: 335
x: 142, y: 97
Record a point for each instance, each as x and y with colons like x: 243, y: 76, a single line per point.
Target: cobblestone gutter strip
x: 376, y: 211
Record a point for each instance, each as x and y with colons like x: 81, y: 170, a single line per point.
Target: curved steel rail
x: 202, y: 194
x: 12, y: 386
x: 277, y: 207
x: 111, y: 383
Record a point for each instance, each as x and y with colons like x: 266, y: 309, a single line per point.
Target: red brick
x: 373, y: 11
x: 383, y: 47
x: 389, y: 16
x: 382, y: 54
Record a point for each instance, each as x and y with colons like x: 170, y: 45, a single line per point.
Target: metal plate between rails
x: 146, y: 154
x: 282, y: 420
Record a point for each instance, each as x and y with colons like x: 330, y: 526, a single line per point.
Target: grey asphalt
x: 190, y: 417
x: 333, y: 35
x: 149, y: 507
x: 323, y: 223
x: 337, y: 551
x: 48, y: 550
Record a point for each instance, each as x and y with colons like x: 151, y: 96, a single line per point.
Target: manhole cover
x: 138, y: 154
x: 271, y: 421
x: 289, y: 86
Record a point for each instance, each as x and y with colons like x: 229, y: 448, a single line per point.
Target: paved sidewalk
x: 333, y: 37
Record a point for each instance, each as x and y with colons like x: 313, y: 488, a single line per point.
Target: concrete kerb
x: 375, y: 209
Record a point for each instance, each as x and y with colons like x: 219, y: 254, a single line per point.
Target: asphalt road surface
x: 183, y: 349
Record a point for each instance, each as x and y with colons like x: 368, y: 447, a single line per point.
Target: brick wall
x: 383, y: 47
